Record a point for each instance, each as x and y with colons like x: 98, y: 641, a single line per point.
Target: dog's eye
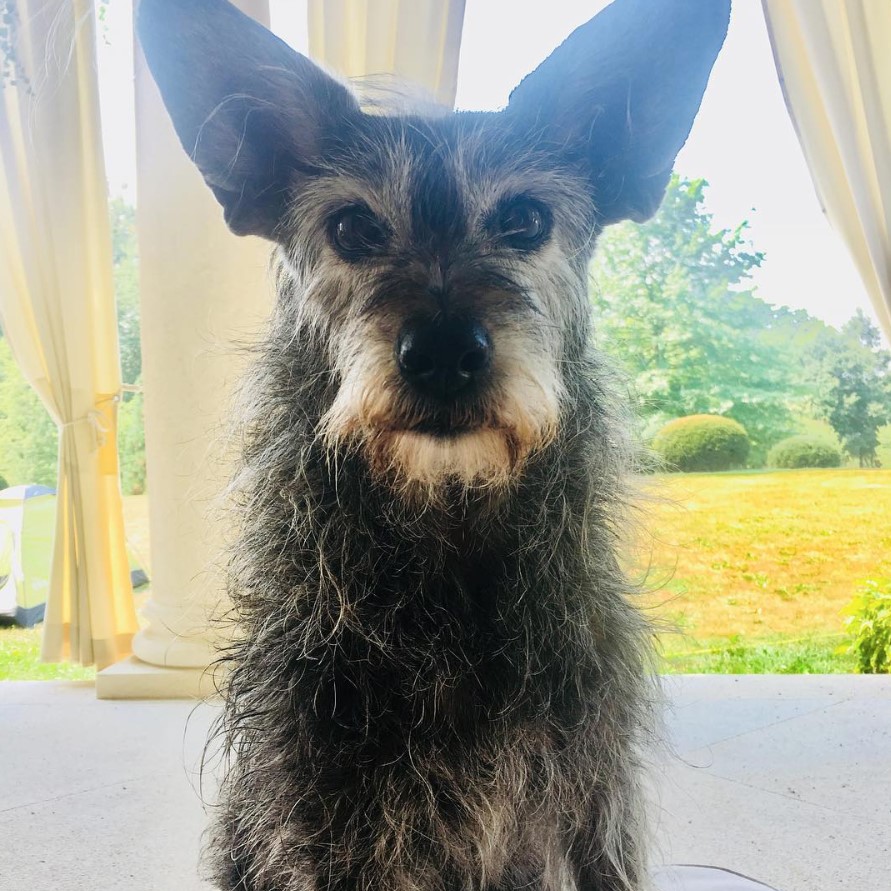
x: 356, y: 233
x: 523, y: 224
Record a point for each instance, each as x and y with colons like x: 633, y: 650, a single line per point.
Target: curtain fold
x: 834, y: 62
x: 416, y: 40
x: 57, y: 311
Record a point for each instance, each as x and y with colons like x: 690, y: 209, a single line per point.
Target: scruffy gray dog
x: 439, y: 682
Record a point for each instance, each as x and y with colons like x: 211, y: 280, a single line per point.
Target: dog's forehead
x: 440, y: 169
x: 389, y: 141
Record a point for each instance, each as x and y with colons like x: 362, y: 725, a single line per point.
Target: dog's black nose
x: 443, y: 356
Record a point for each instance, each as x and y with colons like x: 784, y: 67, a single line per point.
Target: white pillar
x: 203, y: 290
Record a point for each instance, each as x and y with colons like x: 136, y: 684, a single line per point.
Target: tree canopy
x: 674, y: 306
x: 853, y: 375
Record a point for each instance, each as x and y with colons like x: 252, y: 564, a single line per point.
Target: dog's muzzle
x: 444, y: 356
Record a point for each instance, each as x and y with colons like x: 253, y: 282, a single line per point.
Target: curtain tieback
x: 96, y: 420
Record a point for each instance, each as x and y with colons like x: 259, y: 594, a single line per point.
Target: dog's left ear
x: 620, y: 94
x: 252, y: 113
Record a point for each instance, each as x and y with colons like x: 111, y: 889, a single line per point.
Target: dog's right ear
x: 620, y: 94
x: 251, y: 112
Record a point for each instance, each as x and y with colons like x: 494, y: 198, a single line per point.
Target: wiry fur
x: 439, y: 680
x: 439, y: 692
x: 430, y: 698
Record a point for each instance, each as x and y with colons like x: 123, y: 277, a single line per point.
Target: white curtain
x: 416, y: 40
x: 57, y: 310
x: 834, y: 63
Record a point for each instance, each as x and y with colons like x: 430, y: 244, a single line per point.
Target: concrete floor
x: 786, y: 779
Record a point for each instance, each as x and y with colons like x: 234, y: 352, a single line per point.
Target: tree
x: 126, y: 286
x: 671, y: 304
x: 131, y: 436
x: 28, y: 437
x: 854, y: 393
x: 131, y: 445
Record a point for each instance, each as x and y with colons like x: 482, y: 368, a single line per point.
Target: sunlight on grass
x: 748, y: 572
x: 20, y: 659
x: 741, y: 561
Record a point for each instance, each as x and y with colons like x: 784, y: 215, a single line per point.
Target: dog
x: 439, y: 679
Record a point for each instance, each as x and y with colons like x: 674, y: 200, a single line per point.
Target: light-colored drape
x: 57, y: 309
x: 834, y: 62
x: 416, y: 40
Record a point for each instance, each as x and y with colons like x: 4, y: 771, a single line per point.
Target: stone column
x: 203, y: 291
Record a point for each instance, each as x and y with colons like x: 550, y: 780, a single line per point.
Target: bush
x: 28, y: 436
x: 131, y: 445
x: 870, y: 623
x: 804, y: 451
x: 702, y: 442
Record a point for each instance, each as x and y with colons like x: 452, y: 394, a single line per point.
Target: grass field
x: 754, y: 569
x: 745, y: 572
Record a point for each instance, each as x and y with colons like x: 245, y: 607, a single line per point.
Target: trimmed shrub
x: 869, y: 621
x: 702, y: 443
x: 804, y: 451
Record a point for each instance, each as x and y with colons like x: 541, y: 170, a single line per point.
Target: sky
x: 743, y: 142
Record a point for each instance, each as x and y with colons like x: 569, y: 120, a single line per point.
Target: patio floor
x: 786, y: 779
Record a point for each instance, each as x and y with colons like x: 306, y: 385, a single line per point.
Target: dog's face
x: 438, y: 259
x: 443, y: 266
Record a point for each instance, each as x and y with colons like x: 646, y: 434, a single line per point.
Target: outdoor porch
x: 784, y: 779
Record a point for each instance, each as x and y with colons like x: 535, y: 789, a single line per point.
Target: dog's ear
x: 251, y: 112
x: 620, y: 94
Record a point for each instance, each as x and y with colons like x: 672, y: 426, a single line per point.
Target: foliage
x: 883, y: 451
x: 131, y: 433
x: 702, y: 443
x: 131, y: 445
x: 672, y: 305
x: 853, y: 375
x: 870, y: 623
x: 12, y: 71
x: 804, y: 451
x: 126, y: 287
x: 28, y: 436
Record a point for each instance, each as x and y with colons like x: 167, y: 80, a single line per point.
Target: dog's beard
x: 478, y: 442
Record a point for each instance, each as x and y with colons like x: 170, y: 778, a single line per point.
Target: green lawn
x: 744, y: 572
x: 20, y: 659
x: 815, y: 654
x: 752, y: 571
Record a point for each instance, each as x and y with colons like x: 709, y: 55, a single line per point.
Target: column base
x: 180, y: 634
x: 134, y: 679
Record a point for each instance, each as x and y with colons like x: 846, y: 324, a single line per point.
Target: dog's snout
x: 443, y: 356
